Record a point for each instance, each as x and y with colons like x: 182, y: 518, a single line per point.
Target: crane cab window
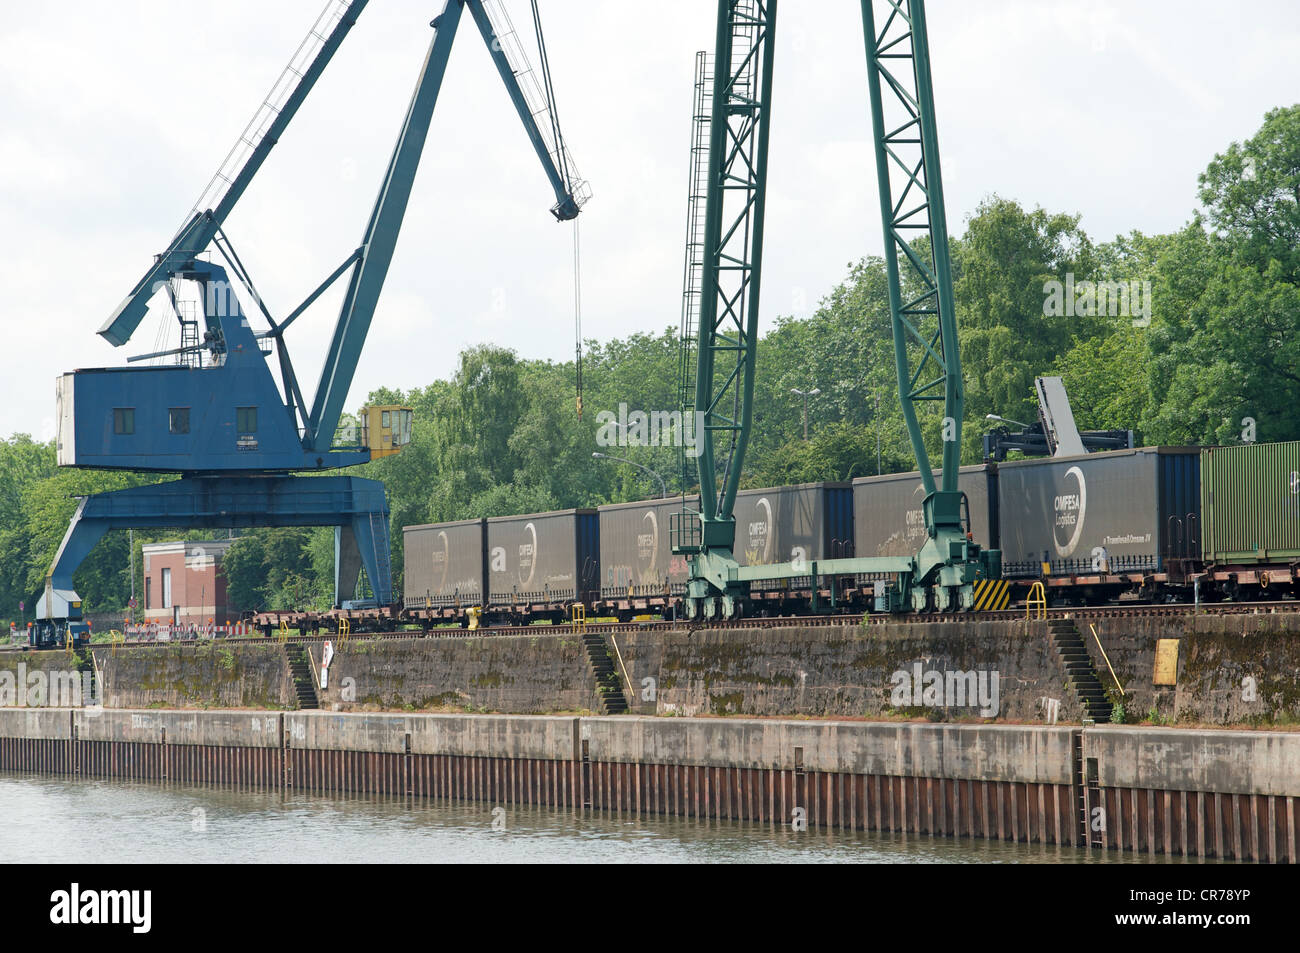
x: 246, y: 419
x: 178, y: 420
x: 123, y: 420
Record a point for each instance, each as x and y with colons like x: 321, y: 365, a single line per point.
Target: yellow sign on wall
x: 1166, y: 672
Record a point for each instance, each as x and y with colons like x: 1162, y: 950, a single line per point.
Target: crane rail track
x: 1285, y: 607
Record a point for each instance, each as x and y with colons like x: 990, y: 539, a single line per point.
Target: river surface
x: 93, y: 821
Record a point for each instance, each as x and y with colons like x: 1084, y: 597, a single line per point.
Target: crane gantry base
x: 356, y: 507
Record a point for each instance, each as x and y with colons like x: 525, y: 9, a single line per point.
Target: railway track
x: 767, y: 622
x: 827, y: 621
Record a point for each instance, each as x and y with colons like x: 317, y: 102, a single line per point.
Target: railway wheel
x: 942, y: 599
x: 920, y: 599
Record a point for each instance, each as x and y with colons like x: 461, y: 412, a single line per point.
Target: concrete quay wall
x: 1236, y: 670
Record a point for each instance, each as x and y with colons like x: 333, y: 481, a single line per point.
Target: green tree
x: 1002, y: 265
x: 244, y: 566
x: 1252, y: 195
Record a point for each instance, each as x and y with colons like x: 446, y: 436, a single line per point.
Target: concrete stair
x: 300, y: 671
x: 1079, y: 669
x: 608, y: 683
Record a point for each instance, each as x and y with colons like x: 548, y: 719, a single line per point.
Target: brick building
x: 183, y: 583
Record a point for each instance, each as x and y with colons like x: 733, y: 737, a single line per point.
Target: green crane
x: 943, y: 575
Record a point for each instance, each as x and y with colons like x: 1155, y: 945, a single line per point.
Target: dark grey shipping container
x: 445, y: 563
x: 1127, y: 510
x: 543, y: 557
x: 636, y: 552
x: 888, y: 519
x: 781, y: 524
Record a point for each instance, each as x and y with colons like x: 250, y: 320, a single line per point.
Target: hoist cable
x: 577, y: 312
x: 548, y: 90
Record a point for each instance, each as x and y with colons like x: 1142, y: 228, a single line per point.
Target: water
x: 93, y: 821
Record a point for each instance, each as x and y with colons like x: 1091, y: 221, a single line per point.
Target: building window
x: 148, y: 592
x: 166, y: 589
x: 386, y: 420
x: 246, y: 420
x: 123, y: 420
x: 178, y: 420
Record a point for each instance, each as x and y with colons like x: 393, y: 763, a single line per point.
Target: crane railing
x: 693, y: 267
x: 539, y: 104
x: 240, y: 165
x: 267, y: 113
x: 732, y: 253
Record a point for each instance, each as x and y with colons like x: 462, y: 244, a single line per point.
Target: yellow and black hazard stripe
x: 992, y: 594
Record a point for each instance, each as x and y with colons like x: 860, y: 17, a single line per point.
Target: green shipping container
x: 1250, y: 503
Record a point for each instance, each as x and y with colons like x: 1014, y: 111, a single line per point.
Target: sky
x: 113, y: 117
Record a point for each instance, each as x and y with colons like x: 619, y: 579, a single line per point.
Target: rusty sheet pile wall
x: 1188, y: 793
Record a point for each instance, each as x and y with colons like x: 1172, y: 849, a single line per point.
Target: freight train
x: 1151, y: 524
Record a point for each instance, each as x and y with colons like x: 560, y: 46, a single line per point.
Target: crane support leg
x: 919, y: 268
x: 197, y: 502
x: 347, y: 564
x: 363, y: 543
x: 732, y: 254
x: 943, y: 575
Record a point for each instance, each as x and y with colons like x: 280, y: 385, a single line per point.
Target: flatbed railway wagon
x: 639, y: 572
x: 1250, y: 521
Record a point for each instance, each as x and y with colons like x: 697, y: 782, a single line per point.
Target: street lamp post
x: 805, y: 394
x: 663, y: 487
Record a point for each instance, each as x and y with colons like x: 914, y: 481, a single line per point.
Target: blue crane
x: 217, y: 416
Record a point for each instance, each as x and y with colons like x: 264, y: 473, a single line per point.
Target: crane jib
x: 241, y: 163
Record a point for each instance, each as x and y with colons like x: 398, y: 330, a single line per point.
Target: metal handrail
x: 1037, y: 599
x: 614, y: 641
x: 1107, y: 658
